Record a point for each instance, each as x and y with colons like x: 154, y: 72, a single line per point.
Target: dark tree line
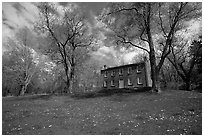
x: 188, y: 65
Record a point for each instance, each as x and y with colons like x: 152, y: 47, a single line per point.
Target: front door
x: 121, y: 83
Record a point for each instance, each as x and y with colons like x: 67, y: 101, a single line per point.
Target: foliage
x: 187, y: 59
x: 21, y: 63
x: 13, y: 68
x: 89, y: 76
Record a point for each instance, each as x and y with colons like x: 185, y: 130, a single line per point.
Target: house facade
x: 126, y: 76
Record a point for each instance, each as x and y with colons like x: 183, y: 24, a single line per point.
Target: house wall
x: 125, y: 76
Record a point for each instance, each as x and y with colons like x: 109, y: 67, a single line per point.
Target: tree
x: 70, y: 34
x: 184, y: 58
x: 18, y: 69
x: 21, y: 61
x: 89, y: 75
x: 138, y: 24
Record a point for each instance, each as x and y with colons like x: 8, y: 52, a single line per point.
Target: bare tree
x: 143, y: 22
x: 22, y: 61
x: 69, y: 32
x: 184, y: 58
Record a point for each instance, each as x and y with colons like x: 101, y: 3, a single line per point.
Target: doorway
x: 121, y: 83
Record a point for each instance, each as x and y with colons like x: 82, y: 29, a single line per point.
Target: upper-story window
x: 113, y: 73
x: 138, y: 69
x: 129, y: 70
x: 105, y: 74
x: 121, y: 71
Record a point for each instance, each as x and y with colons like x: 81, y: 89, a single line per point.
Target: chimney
x: 104, y: 67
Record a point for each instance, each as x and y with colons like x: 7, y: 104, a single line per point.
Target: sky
x: 16, y: 15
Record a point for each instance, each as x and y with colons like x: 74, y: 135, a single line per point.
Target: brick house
x: 126, y: 76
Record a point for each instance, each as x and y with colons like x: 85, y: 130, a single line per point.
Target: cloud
x: 128, y: 58
x: 17, y: 15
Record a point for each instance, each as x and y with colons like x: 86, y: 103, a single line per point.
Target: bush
x: 173, y: 85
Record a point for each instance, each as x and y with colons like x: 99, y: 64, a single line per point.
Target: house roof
x: 123, y: 66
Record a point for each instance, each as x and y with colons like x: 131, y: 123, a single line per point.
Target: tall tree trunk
x: 187, y: 84
x: 68, y: 80
x: 71, y: 78
x: 23, y: 89
x: 164, y: 80
x: 154, y: 70
x: 154, y: 73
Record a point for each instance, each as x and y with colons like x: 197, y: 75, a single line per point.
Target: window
x: 112, y: 83
x: 113, y: 73
x: 129, y: 82
x: 104, y: 83
x: 138, y: 69
x: 120, y: 71
x: 129, y: 70
x: 105, y: 74
x: 139, y: 81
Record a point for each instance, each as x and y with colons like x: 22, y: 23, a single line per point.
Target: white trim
x: 138, y: 69
x: 105, y: 74
x: 121, y: 71
x: 112, y: 83
x: 129, y: 82
x: 104, y: 83
x: 139, y: 81
x: 113, y: 73
x: 129, y: 70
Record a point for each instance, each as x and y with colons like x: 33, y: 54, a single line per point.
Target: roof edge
x: 121, y: 66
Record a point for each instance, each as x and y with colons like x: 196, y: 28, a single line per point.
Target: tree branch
x: 177, y: 69
x: 163, y: 57
x: 183, y: 69
x: 143, y: 38
x: 52, y: 33
x: 129, y: 42
x: 161, y: 22
x: 123, y: 9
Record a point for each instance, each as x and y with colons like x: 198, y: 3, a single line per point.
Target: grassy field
x: 170, y: 112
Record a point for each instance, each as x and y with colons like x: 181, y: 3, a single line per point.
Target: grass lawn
x: 170, y: 112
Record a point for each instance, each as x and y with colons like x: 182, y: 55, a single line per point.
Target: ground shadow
x: 31, y: 97
x: 109, y: 92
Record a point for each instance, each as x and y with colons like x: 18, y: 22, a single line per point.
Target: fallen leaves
x: 157, y: 115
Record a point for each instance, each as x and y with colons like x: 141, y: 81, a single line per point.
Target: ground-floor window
x: 129, y: 82
x: 112, y: 83
x: 104, y: 83
x: 139, y: 81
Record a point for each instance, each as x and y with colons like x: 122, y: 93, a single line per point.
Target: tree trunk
x: 164, y: 80
x: 154, y: 77
x: 71, y: 86
x: 68, y: 80
x: 71, y: 79
x: 154, y: 70
x: 23, y: 89
x: 188, y: 84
